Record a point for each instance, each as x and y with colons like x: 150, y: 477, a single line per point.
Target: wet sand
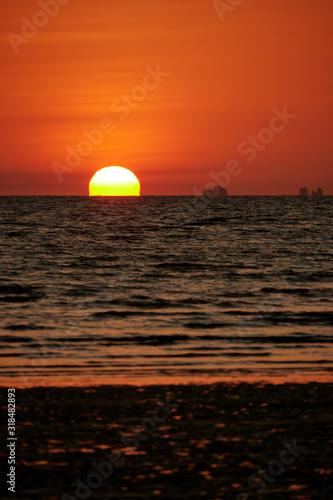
x: 205, y: 447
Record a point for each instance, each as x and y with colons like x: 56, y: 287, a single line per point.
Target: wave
x: 15, y: 292
x: 164, y: 339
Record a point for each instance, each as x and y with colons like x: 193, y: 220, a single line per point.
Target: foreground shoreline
x: 173, y: 441
x: 23, y: 381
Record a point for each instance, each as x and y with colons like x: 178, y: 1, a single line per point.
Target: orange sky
x: 224, y: 80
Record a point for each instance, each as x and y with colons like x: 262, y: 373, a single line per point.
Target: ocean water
x: 178, y: 289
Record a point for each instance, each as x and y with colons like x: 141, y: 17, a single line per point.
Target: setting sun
x: 114, y: 181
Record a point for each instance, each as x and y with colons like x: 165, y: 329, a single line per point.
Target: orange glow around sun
x: 114, y: 181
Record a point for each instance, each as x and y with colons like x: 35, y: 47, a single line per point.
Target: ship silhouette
x: 217, y: 191
x: 319, y: 192
x: 304, y: 192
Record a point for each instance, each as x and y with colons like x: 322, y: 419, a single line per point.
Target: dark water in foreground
x: 139, y: 290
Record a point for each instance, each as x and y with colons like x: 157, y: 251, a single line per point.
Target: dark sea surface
x: 149, y: 289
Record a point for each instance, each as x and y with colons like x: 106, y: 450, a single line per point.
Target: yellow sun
x: 114, y: 181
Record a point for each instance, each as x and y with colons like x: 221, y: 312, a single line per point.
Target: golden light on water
x: 114, y: 181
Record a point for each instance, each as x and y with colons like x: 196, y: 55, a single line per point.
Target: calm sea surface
x: 149, y: 289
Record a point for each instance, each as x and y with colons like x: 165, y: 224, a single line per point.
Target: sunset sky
x: 219, y: 81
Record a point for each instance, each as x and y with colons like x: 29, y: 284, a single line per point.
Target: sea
x: 165, y: 289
